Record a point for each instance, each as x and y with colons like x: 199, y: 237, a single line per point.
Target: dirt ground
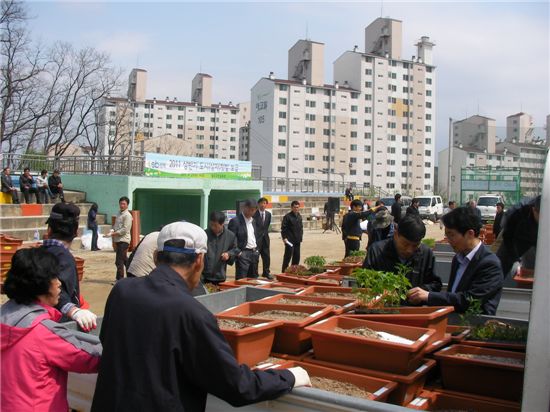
x: 99, y: 267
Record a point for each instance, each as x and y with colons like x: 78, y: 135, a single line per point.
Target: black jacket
x: 482, y: 279
x: 263, y: 228
x: 411, y: 210
x: 53, y: 181
x: 25, y: 182
x: 396, y: 211
x: 497, y: 224
x: 67, y: 275
x: 292, y: 228
x: 382, y: 255
x: 238, y: 226
x: 351, y: 221
x: 91, y: 221
x: 214, y: 267
x: 163, y: 351
x: 7, y: 183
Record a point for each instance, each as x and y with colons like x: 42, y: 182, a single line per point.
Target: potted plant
x: 372, y: 345
x: 482, y: 371
x: 441, y: 399
x: 346, y: 383
x: 315, y: 264
x: 290, y: 337
x: 250, y: 339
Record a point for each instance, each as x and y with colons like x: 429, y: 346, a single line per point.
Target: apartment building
x: 244, y: 131
x: 205, y: 128
x: 374, y: 125
x: 519, y: 128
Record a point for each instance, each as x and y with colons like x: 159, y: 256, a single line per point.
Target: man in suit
x: 246, y: 230
x: 263, y: 220
x: 7, y: 185
x: 476, y: 272
x: 292, y: 232
x: 396, y: 209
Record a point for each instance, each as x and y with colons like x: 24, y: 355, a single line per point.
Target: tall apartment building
x: 374, y: 125
x: 475, y: 145
x: 205, y: 129
x: 244, y: 131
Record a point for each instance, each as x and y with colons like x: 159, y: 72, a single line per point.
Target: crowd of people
x: 161, y: 349
x: 45, y: 188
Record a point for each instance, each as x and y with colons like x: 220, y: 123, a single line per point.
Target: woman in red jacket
x: 37, y: 352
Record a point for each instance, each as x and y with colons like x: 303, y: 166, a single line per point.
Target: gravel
x: 500, y: 359
x: 281, y: 315
x: 342, y: 388
x: 287, y: 301
x: 364, y: 332
x: 232, y: 324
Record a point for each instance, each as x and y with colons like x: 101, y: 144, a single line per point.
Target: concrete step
x: 28, y: 234
x: 15, y: 210
x: 33, y: 222
x: 70, y: 196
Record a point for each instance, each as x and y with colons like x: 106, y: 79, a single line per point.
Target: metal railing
x: 276, y: 184
x: 106, y: 165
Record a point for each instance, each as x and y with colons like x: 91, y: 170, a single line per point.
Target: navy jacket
x: 238, y: 226
x: 163, y: 351
x: 382, y: 255
x: 482, y: 279
x: 351, y: 223
x: 396, y: 212
x: 292, y: 228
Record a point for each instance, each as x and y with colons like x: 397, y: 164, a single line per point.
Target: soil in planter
x: 342, y: 388
x: 304, y: 302
x: 332, y: 295
x: 365, y: 332
x: 232, y: 324
x: 283, y: 289
x: 500, y: 359
x: 362, y: 310
x: 498, y: 332
x: 280, y: 315
x: 333, y: 281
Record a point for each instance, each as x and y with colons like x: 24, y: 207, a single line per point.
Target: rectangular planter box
x: 408, y: 386
x: 303, y: 280
x: 216, y: 302
x: 253, y: 344
x: 231, y: 284
x: 333, y: 280
x: 433, y: 347
x: 345, y: 269
x: 481, y: 376
x: 281, y: 287
x: 252, y: 282
x: 380, y: 388
x: 291, y: 337
x: 370, y: 353
x: 458, y: 333
x: 344, y: 305
x: 517, y: 347
x: 432, y: 317
x: 346, y: 293
x: 449, y: 400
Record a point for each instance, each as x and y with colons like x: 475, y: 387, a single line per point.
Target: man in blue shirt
x: 476, y: 272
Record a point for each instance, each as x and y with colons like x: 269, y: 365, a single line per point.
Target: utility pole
x: 450, y: 158
x: 133, y: 137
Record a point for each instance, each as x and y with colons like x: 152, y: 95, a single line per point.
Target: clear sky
x: 492, y: 58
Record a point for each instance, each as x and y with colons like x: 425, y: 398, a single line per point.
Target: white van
x: 487, y: 205
x: 430, y: 207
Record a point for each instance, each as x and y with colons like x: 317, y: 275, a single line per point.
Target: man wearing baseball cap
x: 163, y: 350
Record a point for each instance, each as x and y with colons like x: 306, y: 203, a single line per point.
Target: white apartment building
x: 207, y: 130
x: 519, y: 128
x: 244, y: 131
x: 374, y: 126
x: 475, y: 131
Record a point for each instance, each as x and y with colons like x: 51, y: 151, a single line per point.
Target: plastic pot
x: 432, y: 317
x: 229, y: 285
x: 458, y: 333
x: 343, y: 305
x: 379, y: 388
x: 441, y: 399
x: 408, y: 386
x: 290, y: 337
x: 333, y: 280
x: 484, y: 377
x: 330, y: 290
x: 283, y: 277
x: 518, y: 347
x: 253, y: 344
x: 370, y: 353
x: 346, y: 269
x: 282, y: 286
x: 434, y: 346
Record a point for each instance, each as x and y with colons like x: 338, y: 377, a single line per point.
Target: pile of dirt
x: 343, y: 388
x: 232, y: 324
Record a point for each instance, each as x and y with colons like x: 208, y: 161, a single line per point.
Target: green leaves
x: 315, y: 261
x: 383, y: 288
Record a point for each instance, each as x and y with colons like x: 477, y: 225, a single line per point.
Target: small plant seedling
x: 297, y: 270
x: 429, y: 242
x: 382, y: 288
x: 315, y: 262
x: 361, y: 253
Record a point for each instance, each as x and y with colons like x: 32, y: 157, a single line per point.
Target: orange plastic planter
x: 439, y: 399
x: 481, y: 376
x: 458, y: 333
x: 370, y: 353
x: 278, y: 285
x: 408, y: 386
x: 345, y: 304
x: 253, y: 344
x: 291, y: 337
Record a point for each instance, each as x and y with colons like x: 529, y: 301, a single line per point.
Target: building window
x: 310, y: 130
x: 367, y: 148
x: 282, y: 115
x: 282, y: 128
x: 368, y: 97
x: 282, y: 100
x: 309, y: 144
x: 280, y: 169
x: 368, y: 122
x: 428, y: 152
x: 310, y: 117
x: 368, y: 135
x: 428, y: 80
x: 366, y: 161
x: 353, y: 147
x: 366, y: 172
x: 310, y: 103
x: 168, y: 126
x: 391, y: 149
x: 428, y: 105
x: 368, y: 109
x: 282, y: 142
x: 353, y: 108
x: 353, y: 134
x: 368, y: 72
x: 283, y: 87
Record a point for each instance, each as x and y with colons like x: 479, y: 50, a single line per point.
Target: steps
x: 12, y: 223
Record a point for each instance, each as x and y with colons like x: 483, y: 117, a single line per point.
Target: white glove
x: 86, y: 320
x: 301, y: 377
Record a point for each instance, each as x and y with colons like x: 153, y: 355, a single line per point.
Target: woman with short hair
x: 37, y: 352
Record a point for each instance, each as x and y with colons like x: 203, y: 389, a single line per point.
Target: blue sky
x: 491, y: 57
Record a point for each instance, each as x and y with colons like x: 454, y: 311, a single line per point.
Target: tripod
x: 331, y: 225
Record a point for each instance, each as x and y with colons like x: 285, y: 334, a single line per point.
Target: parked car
x: 487, y: 204
x: 405, y: 203
x: 430, y: 207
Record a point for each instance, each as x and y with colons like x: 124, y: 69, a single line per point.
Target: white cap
x: 194, y: 236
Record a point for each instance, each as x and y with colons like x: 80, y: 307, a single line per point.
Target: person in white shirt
x: 245, y: 228
x: 43, y: 189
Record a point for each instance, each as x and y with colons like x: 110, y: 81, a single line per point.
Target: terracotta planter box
x: 333, y: 280
x: 379, y: 388
x: 408, y: 386
x: 291, y: 337
x: 229, y: 285
x: 370, y: 353
x: 437, y: 345
x: 517, y: 347
x: 432, y: 317
x: 292, y: 287
x: 484, y: 377
x: 524, y: 282
x: 283, y: 277
x: 449, y: 400
x: 343, y: 305
x: 346, y: 269
x: 271, y: 363
x: 458, y: 333
x: 329, y: 291
x: 252, y: 282
x: 253, y: 344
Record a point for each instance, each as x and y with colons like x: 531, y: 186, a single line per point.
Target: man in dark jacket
x: 56, y: 187
x: 163, y: 350
x: 263, y: 221
x: 475, y: 271
x: 7, y: 185
x: 292, y: 232
x: 246, y: 231
x: 351, y: 230
x: 497, y: 224
x: 413, y: 208
x: 396, y: 208
x: 222, y: 249
x: 62, y: 227
x: 405, y: 247
x: 28, y: 186
x: 520, y: 228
